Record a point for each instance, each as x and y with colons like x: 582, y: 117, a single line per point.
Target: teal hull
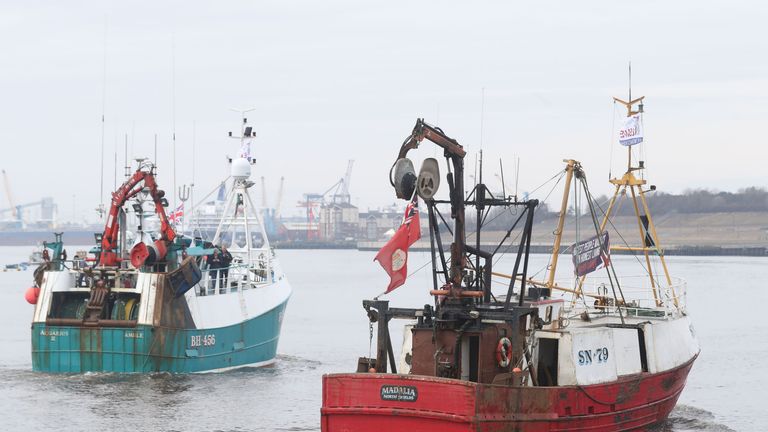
x: 146, y: 349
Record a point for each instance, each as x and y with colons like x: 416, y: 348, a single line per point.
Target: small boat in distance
x: 142, y: 303
x: 613, y: 357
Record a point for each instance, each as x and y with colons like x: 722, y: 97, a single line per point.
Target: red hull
x: 355, y: 402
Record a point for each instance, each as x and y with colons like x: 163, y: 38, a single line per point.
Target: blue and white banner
x: 631, y: 131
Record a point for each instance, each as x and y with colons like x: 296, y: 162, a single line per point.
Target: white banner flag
x: 245, y: 149
x: 631, y: 131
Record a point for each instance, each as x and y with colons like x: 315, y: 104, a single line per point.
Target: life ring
x: 503, y: 354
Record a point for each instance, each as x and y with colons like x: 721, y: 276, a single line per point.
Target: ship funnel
x: 429, y: 178
x: 404, y: 178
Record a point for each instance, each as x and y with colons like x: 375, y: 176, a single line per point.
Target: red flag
x: 393, y: 257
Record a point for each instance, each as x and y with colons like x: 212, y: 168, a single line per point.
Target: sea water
x: 325, y: 330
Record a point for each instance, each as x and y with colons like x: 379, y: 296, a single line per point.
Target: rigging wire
x: 559, y: 173
x: 653, y: 276
x: 559, y: 176
x: 626, y: 243
x: 610, y: 141
x: 583, y: 180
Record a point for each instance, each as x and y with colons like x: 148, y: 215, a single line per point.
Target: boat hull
x: 356, y: 402
x: 146, y: 349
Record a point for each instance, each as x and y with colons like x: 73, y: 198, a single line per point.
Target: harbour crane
x: 340, y: 189
x: 338, y: 193
x: 9, y: 197
x: 279, y: 201
x: 271, y: 215
x: 17, y: 210
x: 46, y: 206
x: 312, y: 202
x: 263, y: 193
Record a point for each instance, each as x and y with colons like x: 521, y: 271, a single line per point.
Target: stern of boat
x: 374, y: 402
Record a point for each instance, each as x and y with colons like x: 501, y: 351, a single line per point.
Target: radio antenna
x: 482, y: 115
x: 173, y: 110
x: 503, y: 187
x: 101, y: 209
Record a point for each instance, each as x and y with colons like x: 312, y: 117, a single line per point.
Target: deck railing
x: 240, y: 275
x: 636, y: 297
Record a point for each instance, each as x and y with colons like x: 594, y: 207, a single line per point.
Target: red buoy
x: 32, y: 294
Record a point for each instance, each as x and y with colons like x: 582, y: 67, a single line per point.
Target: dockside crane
x: 279, y: 200
x: 340, y: 189
x: 263, y: 193
x: 15, y: 211
x: 338, y: 193
x: 271, y: 215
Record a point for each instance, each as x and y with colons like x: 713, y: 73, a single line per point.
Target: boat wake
x: 685, y: 418
x: 283, y: 365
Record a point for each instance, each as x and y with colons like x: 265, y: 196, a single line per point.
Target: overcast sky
x: 338, y: 80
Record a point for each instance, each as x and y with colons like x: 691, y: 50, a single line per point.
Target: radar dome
x: 241, y: 168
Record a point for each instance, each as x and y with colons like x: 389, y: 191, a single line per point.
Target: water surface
x: 325, y: 330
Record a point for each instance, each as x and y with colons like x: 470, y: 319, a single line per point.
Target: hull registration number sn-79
x: 587, y: 357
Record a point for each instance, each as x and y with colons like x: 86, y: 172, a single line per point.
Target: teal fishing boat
x: 166, y: 303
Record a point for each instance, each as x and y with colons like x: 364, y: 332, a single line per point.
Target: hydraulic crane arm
x: 423, y: 130
x: 455, y: 153
x: 141, y: 179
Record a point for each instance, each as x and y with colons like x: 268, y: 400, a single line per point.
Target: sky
x: 338, y: 80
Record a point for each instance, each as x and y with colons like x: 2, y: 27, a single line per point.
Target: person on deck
x: 214, y: 264
x: 226, y: 261
x: 78, y: 264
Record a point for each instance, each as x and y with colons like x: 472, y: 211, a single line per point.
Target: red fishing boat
x: 594, y: 353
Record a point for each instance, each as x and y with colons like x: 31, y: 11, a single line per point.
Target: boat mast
x: 630, y: 183
x: 479, y: 199
x: 569, y: 169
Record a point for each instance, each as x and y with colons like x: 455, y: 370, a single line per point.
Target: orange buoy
x: 32, y: 294
x: 517, y: 370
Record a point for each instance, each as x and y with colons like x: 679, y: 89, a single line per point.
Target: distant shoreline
x: 668, y: 251
x: 34, y: 238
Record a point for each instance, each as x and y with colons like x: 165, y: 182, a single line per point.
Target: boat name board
x: 134, y: 335
x: 53, y: 333
x: 399, y: 393
x: 587, y: 357
x: 202, y: 340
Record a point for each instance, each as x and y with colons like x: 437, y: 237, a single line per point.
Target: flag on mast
x: 177, y: 215
x: 245, y: 149
x: 393, y: 257
x: 631, y: 131
x: 222, y: 194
